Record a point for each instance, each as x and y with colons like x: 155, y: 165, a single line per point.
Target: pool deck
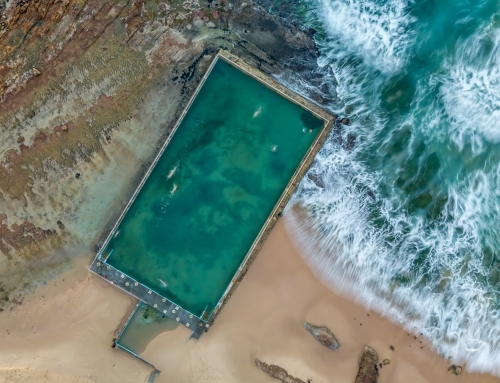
x: 162, y: 304
x: 150, y: 297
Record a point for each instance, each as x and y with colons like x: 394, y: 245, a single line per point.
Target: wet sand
x: 63, y: 333
x: 264, y: 319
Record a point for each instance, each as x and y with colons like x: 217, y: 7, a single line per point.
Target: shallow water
x: 408, y: 221
x: 145, y: 325
x: 210, y: 193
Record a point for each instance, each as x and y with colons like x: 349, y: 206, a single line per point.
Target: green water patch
x: 145, y: 325
x: 213, y: 188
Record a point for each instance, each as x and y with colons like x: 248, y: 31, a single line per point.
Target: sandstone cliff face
x: 323, y: 335
x: 368, y: 366
x: 88, y: 92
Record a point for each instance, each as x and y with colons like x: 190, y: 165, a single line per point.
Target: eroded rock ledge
x: 368, y: 368
x: 277, y: 372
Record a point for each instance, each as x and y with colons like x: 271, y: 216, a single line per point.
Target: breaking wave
x: 375, y: 32
x: 406, y: 222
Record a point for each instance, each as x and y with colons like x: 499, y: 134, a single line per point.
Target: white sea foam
x: 471, y: 88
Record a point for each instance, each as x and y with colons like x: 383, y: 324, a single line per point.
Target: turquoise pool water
x: 210, y: 193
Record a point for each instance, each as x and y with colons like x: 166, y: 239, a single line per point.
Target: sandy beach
x: 62, y: 333
x: 72, y: 321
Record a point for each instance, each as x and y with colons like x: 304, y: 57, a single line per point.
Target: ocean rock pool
x: 212, y: 189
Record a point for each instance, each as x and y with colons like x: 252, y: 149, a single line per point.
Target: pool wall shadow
x: 199, y: 324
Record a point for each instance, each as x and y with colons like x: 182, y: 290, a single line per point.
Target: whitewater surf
x: 407, y: 221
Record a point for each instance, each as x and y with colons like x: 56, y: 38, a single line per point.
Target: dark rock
x: 60, y: 224
x: 318, y: 98
x: 77, y: 175
x: 337, y: 134
x: 323, y: 335
x: 277, y: 372
x: 386, y: 362
x: 368, y: 370
x: 20, y: 140
x: 351, y: 141
x: 457, y: 370
x: 391, y: 347
x: 345, y: 121
x: 311, y: 31
x: 98, y: 246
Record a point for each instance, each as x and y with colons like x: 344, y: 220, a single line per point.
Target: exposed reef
x: 277, y: 372
x: 323, y: 335
x: 368, y: 366
x: 455, y: 370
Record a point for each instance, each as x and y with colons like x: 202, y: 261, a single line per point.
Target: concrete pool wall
x: 156, y: 300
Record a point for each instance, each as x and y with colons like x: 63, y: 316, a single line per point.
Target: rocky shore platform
x: 88, y: 92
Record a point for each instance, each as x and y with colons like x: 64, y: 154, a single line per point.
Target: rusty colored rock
x: 368, y: 369
x: 456, y: 370
x: 323, y: 335
x: 277, y: 372
x: 317, y: 180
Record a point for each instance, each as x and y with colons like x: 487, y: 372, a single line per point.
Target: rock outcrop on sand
x: 368, y: 369
x: 277, y: 372
x: 456, y: 370
x: 323, y: 335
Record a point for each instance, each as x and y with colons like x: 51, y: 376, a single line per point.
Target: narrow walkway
x: 148, y: 296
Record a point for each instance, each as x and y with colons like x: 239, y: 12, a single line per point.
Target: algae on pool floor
x: 204, y: 203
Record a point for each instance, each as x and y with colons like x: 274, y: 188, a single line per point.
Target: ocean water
x: 408, y: 222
